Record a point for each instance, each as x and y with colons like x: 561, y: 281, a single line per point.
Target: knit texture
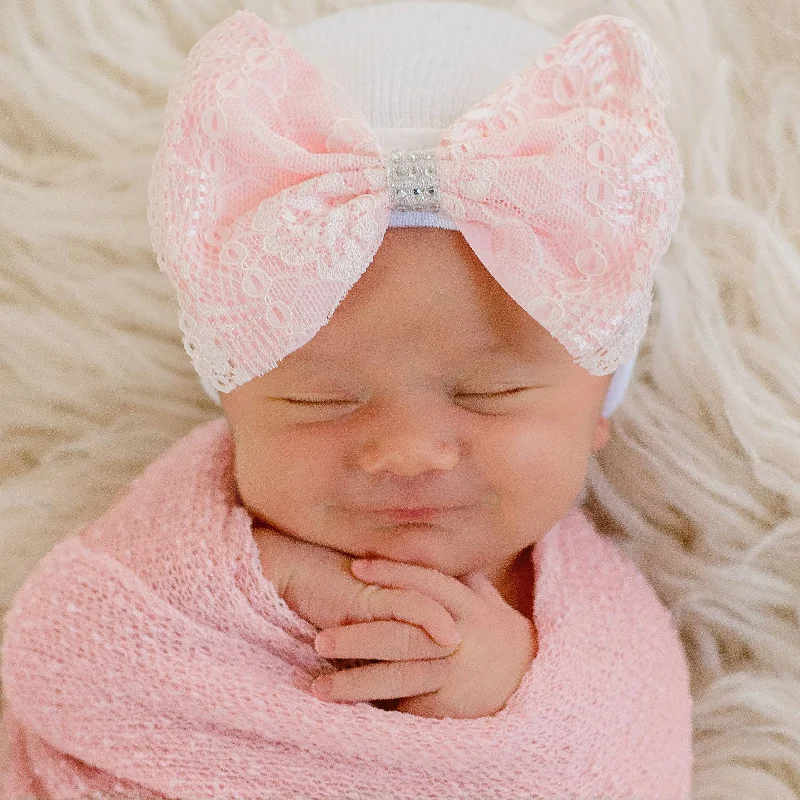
x: 148, y: 656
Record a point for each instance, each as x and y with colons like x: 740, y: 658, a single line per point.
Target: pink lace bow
x: 270, y: 194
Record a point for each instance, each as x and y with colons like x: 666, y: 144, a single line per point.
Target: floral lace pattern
x: 269, y: 196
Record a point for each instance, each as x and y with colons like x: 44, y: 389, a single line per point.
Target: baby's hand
x: 316, y: 582
x: 474, y: 678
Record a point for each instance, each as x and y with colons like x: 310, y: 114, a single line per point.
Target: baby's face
x: 398, y: 413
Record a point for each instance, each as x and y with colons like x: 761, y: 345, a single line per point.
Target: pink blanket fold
x: 147, y: 656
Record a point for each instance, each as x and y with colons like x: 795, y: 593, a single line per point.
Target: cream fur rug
x: 701, y: 479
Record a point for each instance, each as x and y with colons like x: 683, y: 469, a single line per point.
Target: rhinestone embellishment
x: 413, y: 180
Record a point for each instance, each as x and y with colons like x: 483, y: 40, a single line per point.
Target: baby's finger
x: 405, y: 605
x: 382, y: 681
x: 383, y: 640
x: 450, y: 593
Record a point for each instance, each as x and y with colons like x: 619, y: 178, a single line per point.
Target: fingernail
x: 451, y: 638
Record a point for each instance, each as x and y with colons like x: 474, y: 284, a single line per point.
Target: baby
x: 416, y: 287
x: 429, y: 388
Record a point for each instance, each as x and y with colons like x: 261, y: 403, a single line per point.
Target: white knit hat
x: 412, y: 68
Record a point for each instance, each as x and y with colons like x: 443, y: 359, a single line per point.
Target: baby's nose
x: 408, y: 455
x: 409, y: 443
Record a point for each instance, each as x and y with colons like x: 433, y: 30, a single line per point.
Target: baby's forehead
x: 425, y: 298
x: 387, y: 354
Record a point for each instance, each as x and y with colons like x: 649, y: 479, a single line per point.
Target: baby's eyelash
x: 352, y: 402
x: 318, y: 402
x: 495, y: 394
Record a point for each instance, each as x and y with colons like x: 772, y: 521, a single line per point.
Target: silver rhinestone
x: 412, y: 187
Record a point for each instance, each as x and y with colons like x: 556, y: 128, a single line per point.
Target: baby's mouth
x: 417, y: 514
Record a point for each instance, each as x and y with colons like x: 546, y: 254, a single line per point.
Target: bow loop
x: 267, y: 187
x: 269, y: 195
x: 569, y: 186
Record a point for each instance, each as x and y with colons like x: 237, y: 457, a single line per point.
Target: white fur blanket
x: 701, y: 478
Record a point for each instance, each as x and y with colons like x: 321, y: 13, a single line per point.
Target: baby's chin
x: 419, y: 546
x: 438, y: 543
x: 437, y: 546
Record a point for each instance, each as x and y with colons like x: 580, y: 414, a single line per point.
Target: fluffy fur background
x: 701, y: 478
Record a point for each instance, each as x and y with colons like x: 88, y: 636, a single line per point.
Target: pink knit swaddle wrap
x: 148, y: 655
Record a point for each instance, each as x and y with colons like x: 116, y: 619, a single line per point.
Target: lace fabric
x: 269, y: 194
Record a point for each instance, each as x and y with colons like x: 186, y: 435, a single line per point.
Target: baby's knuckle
x: 402, y: 635
x: 362, y: 603
x: 396, y: 680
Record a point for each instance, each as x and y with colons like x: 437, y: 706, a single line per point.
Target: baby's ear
x: 601, y: 434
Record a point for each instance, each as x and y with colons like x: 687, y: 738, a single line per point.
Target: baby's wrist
x: 277, y: 553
